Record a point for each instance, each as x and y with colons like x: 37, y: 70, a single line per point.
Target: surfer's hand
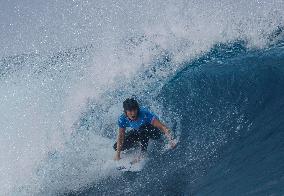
x: 117, y: 157
x: 172, y: 143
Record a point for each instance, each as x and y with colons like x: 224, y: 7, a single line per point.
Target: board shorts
x: 142, y: 135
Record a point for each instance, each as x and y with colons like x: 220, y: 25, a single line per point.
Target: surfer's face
x: 132, y: 114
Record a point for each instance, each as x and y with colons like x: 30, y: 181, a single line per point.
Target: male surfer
x: 145, y: 125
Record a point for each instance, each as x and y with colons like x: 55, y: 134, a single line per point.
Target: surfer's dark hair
x: 130, y: 104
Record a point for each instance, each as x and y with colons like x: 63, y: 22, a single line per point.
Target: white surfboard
x: 131, y: 162
x: 128, y: 161
x: 130, y: 167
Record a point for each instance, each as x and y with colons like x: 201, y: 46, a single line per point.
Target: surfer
x: 145, y: 125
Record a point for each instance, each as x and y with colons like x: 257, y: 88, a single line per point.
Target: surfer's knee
x: 144, y: 148
x: 144, y: 144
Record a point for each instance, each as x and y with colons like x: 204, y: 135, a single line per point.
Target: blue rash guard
x: 144, y: 117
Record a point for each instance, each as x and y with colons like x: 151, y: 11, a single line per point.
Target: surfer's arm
x: 120, y: 140
x: 163, y: 128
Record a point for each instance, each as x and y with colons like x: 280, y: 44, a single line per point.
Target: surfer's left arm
x: 165, y: 130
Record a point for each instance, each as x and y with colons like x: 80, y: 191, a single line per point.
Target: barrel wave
x: 212, y: 71
x: 231, y: 117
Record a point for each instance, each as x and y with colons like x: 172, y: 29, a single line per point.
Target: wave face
x: 213, y: 71
x: 231, y: 116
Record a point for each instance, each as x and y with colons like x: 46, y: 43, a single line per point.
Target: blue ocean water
x: 231, y: 111
x: 212, y: 71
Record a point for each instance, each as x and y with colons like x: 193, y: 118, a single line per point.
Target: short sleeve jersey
x: 144, y: 117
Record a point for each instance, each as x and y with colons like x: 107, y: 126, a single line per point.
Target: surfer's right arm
x: 120, y: 140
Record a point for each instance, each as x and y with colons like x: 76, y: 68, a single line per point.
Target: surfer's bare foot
x: 139, y: 158
x: 117, y: 157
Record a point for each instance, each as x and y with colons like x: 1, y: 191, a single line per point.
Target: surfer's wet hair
x: 130, y: 104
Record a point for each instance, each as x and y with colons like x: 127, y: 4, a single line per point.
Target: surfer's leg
x: 130, y: 139
x: 152, y: 132
x: 144, y: 139
x: 148, y: 132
